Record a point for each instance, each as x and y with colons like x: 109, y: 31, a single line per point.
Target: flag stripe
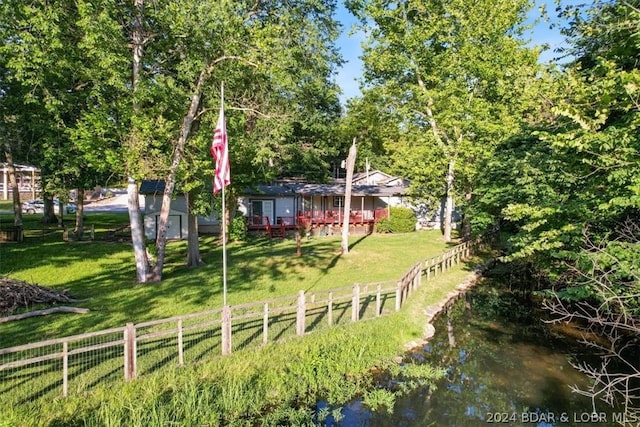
x: 220, y: 153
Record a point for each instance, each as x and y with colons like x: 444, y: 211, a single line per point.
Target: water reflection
x: 504, y: 366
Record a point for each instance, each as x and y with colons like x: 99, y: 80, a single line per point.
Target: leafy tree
x: 569, y: 189
x: 127, y: 88
x: 50, y: 78
x: 454, y: 78
x: 277, y: 67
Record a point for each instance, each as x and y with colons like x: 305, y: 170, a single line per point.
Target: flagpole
x: 224, y: 227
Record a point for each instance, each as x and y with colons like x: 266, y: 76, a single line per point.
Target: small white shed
x: 178, y: 214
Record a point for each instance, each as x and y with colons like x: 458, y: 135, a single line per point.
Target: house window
x: 261, y: 212
x: 338, y: 201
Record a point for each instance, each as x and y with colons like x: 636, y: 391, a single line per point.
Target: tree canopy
x: 106, y: 90
x: 452, y: 80
x: 567, y: 189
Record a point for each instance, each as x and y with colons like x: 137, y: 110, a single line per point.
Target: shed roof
x: 152, y: 186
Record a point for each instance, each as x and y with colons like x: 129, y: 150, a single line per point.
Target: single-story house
x: 319, y: 208
x: 289, y: 205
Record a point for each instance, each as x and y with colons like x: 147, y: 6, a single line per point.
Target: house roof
x: 376, y: 177
x: 335, y: 189
x: 272, y: 190
x: 382, y: 189
x: 356, y: 190
x: 19, y: 168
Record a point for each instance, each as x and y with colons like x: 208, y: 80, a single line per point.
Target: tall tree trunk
x: 448, y: 206
x: 170, y: 181
x: 79, y: 230
x: 466, y: 221
x: 60, y: 213
x: 193, y: 243
x: 15, y: 190
x: 351, y: 161
x: 49, y: 215
x: 137, y: 232
x: 448, y: 148
x: 133, y: 206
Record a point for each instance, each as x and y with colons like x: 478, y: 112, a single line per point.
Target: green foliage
x: 402, y: 220
x: 567, y: 189
x: 444, y: 83
x: 239, y: 229
x: 379, y: 399
x: 383, y: 225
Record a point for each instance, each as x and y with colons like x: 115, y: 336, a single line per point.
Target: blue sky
x: 350, y: 45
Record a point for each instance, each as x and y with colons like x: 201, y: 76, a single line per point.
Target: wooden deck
x: 315, y: 222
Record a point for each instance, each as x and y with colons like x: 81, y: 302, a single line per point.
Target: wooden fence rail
x: 200, y: 334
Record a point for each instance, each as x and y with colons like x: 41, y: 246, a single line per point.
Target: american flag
x: 220, y: 153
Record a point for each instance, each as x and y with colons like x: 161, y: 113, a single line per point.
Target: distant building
x: 319, y: 208
x: 28, y: 178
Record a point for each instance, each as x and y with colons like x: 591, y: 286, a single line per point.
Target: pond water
x: 504, y: 366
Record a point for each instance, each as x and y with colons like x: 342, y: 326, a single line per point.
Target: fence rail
x: 50, y: 367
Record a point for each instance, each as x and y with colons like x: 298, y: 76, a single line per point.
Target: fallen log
x: 61, y: 309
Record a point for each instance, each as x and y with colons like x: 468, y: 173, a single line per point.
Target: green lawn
x: 275, y: 385
x: 103, y: 273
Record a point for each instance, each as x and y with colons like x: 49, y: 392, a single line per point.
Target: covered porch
x: 318, y: 209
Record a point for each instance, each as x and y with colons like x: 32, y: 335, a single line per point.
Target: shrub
x: 402, y: 220
x: 238, y: 230
x: 383, y: 225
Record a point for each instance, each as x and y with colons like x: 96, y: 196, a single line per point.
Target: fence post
x: 378, y: 300
x: 355, y: 303
x: 265, y: 324
x: 330, y: 308
x: 180, y: 344
x: 399, y: 296
x: 65, y: 368
x: 408, y: 283
x: 300, y: 326
x: 226, y: 330
x: 130, y: 352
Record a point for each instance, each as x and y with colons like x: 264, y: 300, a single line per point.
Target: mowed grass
x: 102, y: 274
x: 275, y: 385
x: 271, y: 386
